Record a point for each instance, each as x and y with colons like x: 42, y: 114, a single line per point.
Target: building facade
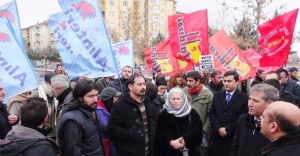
x: 38, y: 36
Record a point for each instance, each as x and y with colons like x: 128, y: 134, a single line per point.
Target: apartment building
x: 38, y: 36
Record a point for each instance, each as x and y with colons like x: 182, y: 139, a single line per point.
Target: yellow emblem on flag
x: 241, y: 67
x: 194, y: 50
x: 165, y: 66
x: 182, y: 64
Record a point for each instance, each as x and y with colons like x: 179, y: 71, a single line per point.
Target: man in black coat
x: 130, y: 121
x: 248, y: 140
x: 79, y: 130
x: 281, y: 125
x: 6, y: 119
x: 227, y: 106
x: 216, y: 83
x: 120, y: 84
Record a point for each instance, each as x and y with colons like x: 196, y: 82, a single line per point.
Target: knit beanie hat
x: 109, y: 93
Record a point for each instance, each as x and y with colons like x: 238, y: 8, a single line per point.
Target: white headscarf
x: 185, y: 108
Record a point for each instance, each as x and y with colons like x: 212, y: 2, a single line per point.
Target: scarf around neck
x: 185, y: 108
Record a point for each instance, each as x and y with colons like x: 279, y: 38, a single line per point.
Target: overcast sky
x: 33, y: 11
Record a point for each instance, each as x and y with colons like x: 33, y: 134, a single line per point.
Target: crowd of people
x: 191, y: 114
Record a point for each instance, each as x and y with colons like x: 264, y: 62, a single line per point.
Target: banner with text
x: 189, y: 35
x: 17, y: 73
x: 10, y: 11
x: 82, y: 40
x: 160, y: 60
x: 207, y: 62
x: 228, y: 56
x: 276, y: 38
x: 253, y: 56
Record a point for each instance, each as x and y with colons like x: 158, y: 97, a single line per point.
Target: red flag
x: 276, y: 38
x: 189, y: 35
x: 228, y: 56
x: 253, y: 56
x: 160, y: 60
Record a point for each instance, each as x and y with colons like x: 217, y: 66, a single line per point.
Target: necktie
x: 228, y: 97
x: 257, y: 122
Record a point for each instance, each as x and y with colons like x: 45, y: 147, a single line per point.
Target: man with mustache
x: 216, y: 83
x: 130, y: 120
x: 120, y: 84
x: 79, y: 130
x: 200, y: 99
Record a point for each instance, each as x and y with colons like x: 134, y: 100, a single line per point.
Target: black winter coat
x: 170, y: 128
x: 126, y: 127
x: 79, y: 131
x: 122, y: 88
x: 285, y: 146
x: 248, y: 140
x: 223, y: 115
x: 5, y: 126
x: 292, y: 87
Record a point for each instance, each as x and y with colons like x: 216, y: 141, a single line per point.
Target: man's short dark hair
x: 282, y: 70
x: 292, y: 69
x: 82, y: 87
x: 215, y: 73
x: 274, y: 72
x: 151, y: 90
x: 194, y: 74
x: 161, y: 81
x: 232, y: 73
x: 127, y: 67
x: 58, y: 65
x: 34, y: 111
x: 132, y: 78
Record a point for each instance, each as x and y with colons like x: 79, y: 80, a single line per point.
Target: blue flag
x: 82, y: 39
x: 123, y: 55
x: 9, y: 11
x: 17, y: 73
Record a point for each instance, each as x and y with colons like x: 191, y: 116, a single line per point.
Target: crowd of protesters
x: 193, y: 113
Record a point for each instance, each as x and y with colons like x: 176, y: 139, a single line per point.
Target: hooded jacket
x: 25, y: 141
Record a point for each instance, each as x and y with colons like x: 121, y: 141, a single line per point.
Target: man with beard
x: 130, y: 121
x: 200, y: 99
x: 6, y: 120
x: 120, y: 84
x: 293, y: 72
x: 226, y: 108
x: 216, y: 83
x: 79, y: 130
x: 103, y: 83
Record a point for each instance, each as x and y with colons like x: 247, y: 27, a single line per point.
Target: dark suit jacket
x: 223, y: 115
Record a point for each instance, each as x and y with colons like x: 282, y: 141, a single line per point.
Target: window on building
x: 156, y: 9
x: 112, y: 14
x: 162, y: 10
x: 155, y: 18
x: 155, y: 26
x: 156, y: 2
x: 111, y: 2
x: 125, y: 3
x: 112, y: 25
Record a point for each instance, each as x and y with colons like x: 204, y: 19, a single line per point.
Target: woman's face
x: 176, y: 100
x: 178, y: 79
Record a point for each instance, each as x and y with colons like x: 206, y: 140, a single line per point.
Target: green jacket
x: 202, y: 104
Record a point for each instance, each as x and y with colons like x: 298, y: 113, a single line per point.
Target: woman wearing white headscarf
x: 178, y: 127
